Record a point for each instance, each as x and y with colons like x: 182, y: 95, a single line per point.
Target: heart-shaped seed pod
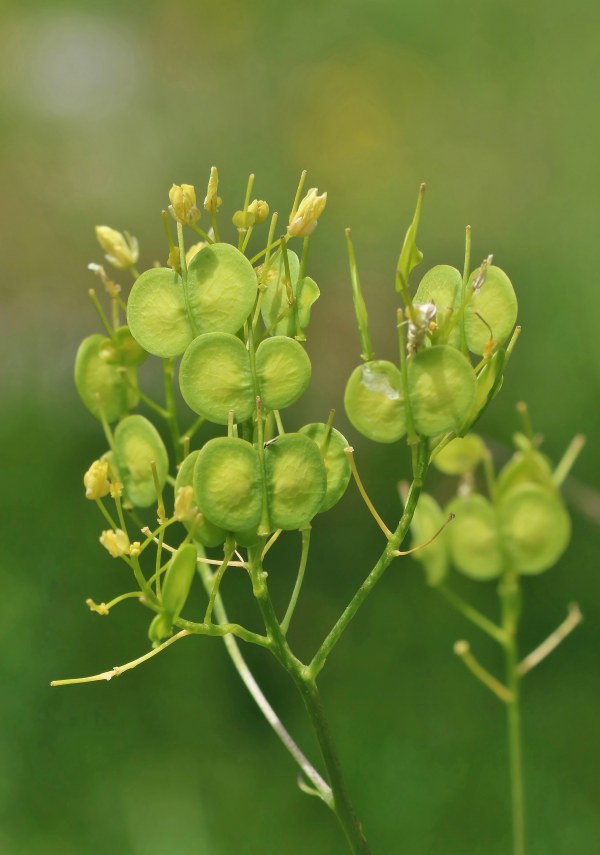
x: 525, y: 467
x: 228, y: 484
x: 426, y: 522
x: 493, y: 308
x: 374, y: 401
x: 442, y: 386
x: 218, y: 297
x: 489, y: 383
x: 101, y: 384
x: 283, y: 371
x: 276, y: 311
x: 136, y: 444
x: 534, y: 526
x: 175, y: 590
x: 205, y: 532
x: 295, y: 479
x: 475, y: 546
x: 331, y: 443
x: 461, y: 455
x: 442, y: 286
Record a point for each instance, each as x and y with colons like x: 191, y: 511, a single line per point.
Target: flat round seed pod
x: 295, y: 479
x: 156, y: 313
x: 528, y: 467
x: 309, y: 294
x: 374, y: 401
x: 178, y: 580
x: 101, y: 385
x: 228, y: 483
x: 426, y: 522
x: 442, y: 286
x: 138, y: 443
x: 275, y: 300
x: 248, y: 537
x: 496, y: 303
x: 486, y: 380
x: 331, y: 443
x: 283, y: 370
x: 206, y: 533
x: 461, y: 455
x: 215, y: 378
x: 442, y: 388
x: 475, y: 546
x: 221, y: 289
x: 534, y: 526
x: 130, y: 352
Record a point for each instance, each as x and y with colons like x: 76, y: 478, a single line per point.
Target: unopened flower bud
x: 242, y: 220
x: 260, y: 209
x: 304, y: 221
x: 96, y: 481
x: 121, y: 250
x: 185, y: 506
x: 212, y: 202
x: 174, y: 259
x: 135, y: 548
x: 183, y: 204
x: 115, y: 542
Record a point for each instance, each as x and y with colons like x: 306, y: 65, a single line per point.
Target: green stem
x: 473, y: 614
x: 509, y: 595
x: 171, y: 416
x: 285, y: 623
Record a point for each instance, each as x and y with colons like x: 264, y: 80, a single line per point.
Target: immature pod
x: 123, y: 349
x: 175, y: 590
x: 442, y: 386
x: 279, y: 316
x: 491, y: 312
x: 295, y: 480
x: 331, y: 443
x: 442, y: 286
x: 473, y: 538
x: 101, y: 383
x: 461, y: 455
x: 489, y: 383
x: 526, y: 467
x: 137, y: 444
x: 204, y: 532
x: 374, y: 401
x: 427, y: 521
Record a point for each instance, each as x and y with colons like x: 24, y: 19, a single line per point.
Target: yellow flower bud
x: 242, y: 220
x: 121, y: 250
x: 185, y: 506
x: 304, y: 221
x: 174, y: 259
x: 116, y: 542
x: 183, y: 204
x: 96, y: 481
x: 212, y: 202
x: 194, y: 249
x: 260, y: 210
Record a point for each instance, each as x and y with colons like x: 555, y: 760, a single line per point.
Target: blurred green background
x: 104, y: 105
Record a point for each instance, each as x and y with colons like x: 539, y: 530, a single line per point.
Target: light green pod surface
x: 275, y: 300
x: 295, y: 479
x: 123, y: 350
x: 486, y: 380
x: 475, y: 545
x: 331, y: 443
x: 178, y: 580
x: 461, y: 455
x: 308, y: 294
x: 215, y: 377
x: 156, y: 313
x: 442, y: 285
x: 534, y: 526
x: 101, y: 384
x: 374, y: 401
x: 442, y: 389
x: 136, y: 444
x: 283, y: 370
x: 228, y: 483
x: 221, y: 289
x: 496, y: 303
x: 206, y: 533
x: 426, y: 522
x: 529, y: 467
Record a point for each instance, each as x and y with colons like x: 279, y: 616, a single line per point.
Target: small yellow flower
x: 185, y: 507
x: 183, y: 204
x: 96, y: 481
x: 212, y: 202
x: 121, y: 250
x: 260, y: 210
x: 304, y: 221
x: 115, y: 542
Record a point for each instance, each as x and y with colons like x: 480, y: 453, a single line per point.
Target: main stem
x: 510, y: 596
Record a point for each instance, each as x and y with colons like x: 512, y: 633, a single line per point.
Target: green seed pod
x: 475, y: 545
x: 525, y: 467
x: 228, y: 483
x: 308, y: 294
x: 178, y: 580
x: 442, y: 386
x: 248, y: 537
x: 534, y: 526
x: 130, y: 352
x: 295, y: 479
x: 157, y: 314
x: 205, y: 532
x: 221, y: 289
x: 275, y: 300
x: 283, y: 370
x: 442, y: 286
x: 496, y: 304
x: 215, y: 378
x: 426, y: 522
x: 102, y: 385
x: 331, y: 443
x: 489, y: 383
x: 138, y: 443
x: 461, y: 455
x: 161, y: 627
x: 374, y: 401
